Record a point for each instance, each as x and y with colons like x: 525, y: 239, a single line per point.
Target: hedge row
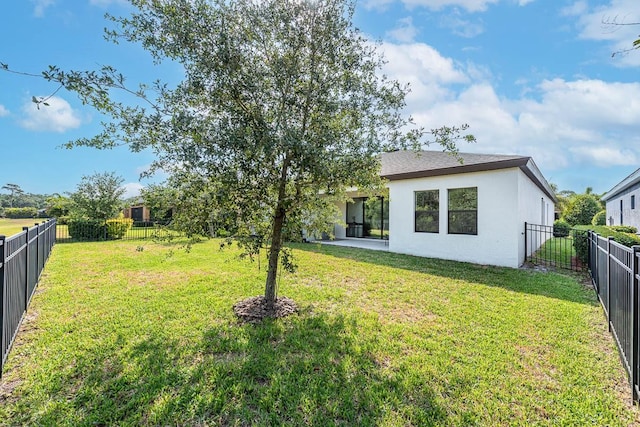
x: 95, y: 229
x: 625, y: 235
x: 17, y: 213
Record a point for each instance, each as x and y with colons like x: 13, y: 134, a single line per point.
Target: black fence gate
x: 556, y: 249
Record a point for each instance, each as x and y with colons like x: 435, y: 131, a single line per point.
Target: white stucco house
x: 474, y: 211
x: 621, y: 202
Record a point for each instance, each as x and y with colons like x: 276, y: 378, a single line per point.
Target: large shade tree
x: 97, y: 196
x: 282, y: 107
x: 14, y: 193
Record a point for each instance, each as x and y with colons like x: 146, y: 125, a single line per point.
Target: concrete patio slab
x: 373, y: 244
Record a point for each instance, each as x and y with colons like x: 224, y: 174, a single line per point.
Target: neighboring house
x: 622, y: 199
x: 138, y: 212
x: 473, y: 211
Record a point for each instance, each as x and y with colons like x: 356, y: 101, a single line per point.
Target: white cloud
x: 468, y: 5
x: 405, y: 31
x: 426, y: 71
x: 132, y: 189
x: 3, y: 111
x: 461, y: 27
x: 559, y: 122
x: 39, y: 6
x: 606, y: 156
x: 576, y: 9
x: 105, y: 3
x: 58, y: 116
x: 603, y: 23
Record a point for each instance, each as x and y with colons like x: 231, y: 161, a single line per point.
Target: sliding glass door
x: 368, y: 218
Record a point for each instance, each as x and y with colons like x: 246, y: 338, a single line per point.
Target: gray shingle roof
x: 411, y: 164
x: 629, y: 181
x: 399, y: 164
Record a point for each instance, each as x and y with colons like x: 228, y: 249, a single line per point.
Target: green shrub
x: 626, y: 239
x: 87, y: 229
x: 221, y: 232
x: 581, y: 245
x: 600, y: 218
x: 624, y: 229
x: 14, y: 213
x: 62, y: 220
x: 581, y: 209
x: 118, y: 227
x: 561, y: 228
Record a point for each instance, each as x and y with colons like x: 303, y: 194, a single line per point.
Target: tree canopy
x: 14, y: 192
x: 282, y: 107
x: 97, y: 196
x: 581, y: 209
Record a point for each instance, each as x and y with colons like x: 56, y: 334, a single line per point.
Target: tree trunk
x: 274, y: 256
x: 276, y: 239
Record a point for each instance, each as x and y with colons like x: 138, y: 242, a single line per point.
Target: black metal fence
x: 22, y: 259
x: 615, y: 275
x: 84, y: 231
x: 549, y: 248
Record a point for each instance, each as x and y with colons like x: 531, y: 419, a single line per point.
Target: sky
x: 530, y: 77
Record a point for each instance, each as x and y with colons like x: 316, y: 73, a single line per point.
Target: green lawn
x: 9, y: 227
x: 122, y: 334
x: 557, y: 251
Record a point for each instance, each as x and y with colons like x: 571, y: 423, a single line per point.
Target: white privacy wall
x: 500, y: 225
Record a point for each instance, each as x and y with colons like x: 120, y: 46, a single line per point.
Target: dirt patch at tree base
x: 255, y: 309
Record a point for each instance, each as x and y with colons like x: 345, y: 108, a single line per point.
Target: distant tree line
x: 98, y: 196
x: 14, y: 197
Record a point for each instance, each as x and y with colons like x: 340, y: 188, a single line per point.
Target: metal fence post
x: 3, y: 269
x: 609, y: 239
x: 594, y: 267
x: 525, y: 242
x: 634, y: 324
x: 588, y: 249
x: 27, y: 260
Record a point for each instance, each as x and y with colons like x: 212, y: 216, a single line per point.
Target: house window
x: 463, y: 210
x: 633, y: 202
x: 427, y: 208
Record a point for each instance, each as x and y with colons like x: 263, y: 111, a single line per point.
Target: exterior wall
x: 629, y: 216
x: 146, y: 214
x: 339, y: 230
x: 534, y: 207
x: 500, y: 227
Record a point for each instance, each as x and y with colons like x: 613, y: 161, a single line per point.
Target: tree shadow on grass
x: 315, y: 371
x: 531, y: 282
x: 310, y: 370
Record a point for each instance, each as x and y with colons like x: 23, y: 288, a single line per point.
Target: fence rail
x: 614, y: 271
x: 22, y: 259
